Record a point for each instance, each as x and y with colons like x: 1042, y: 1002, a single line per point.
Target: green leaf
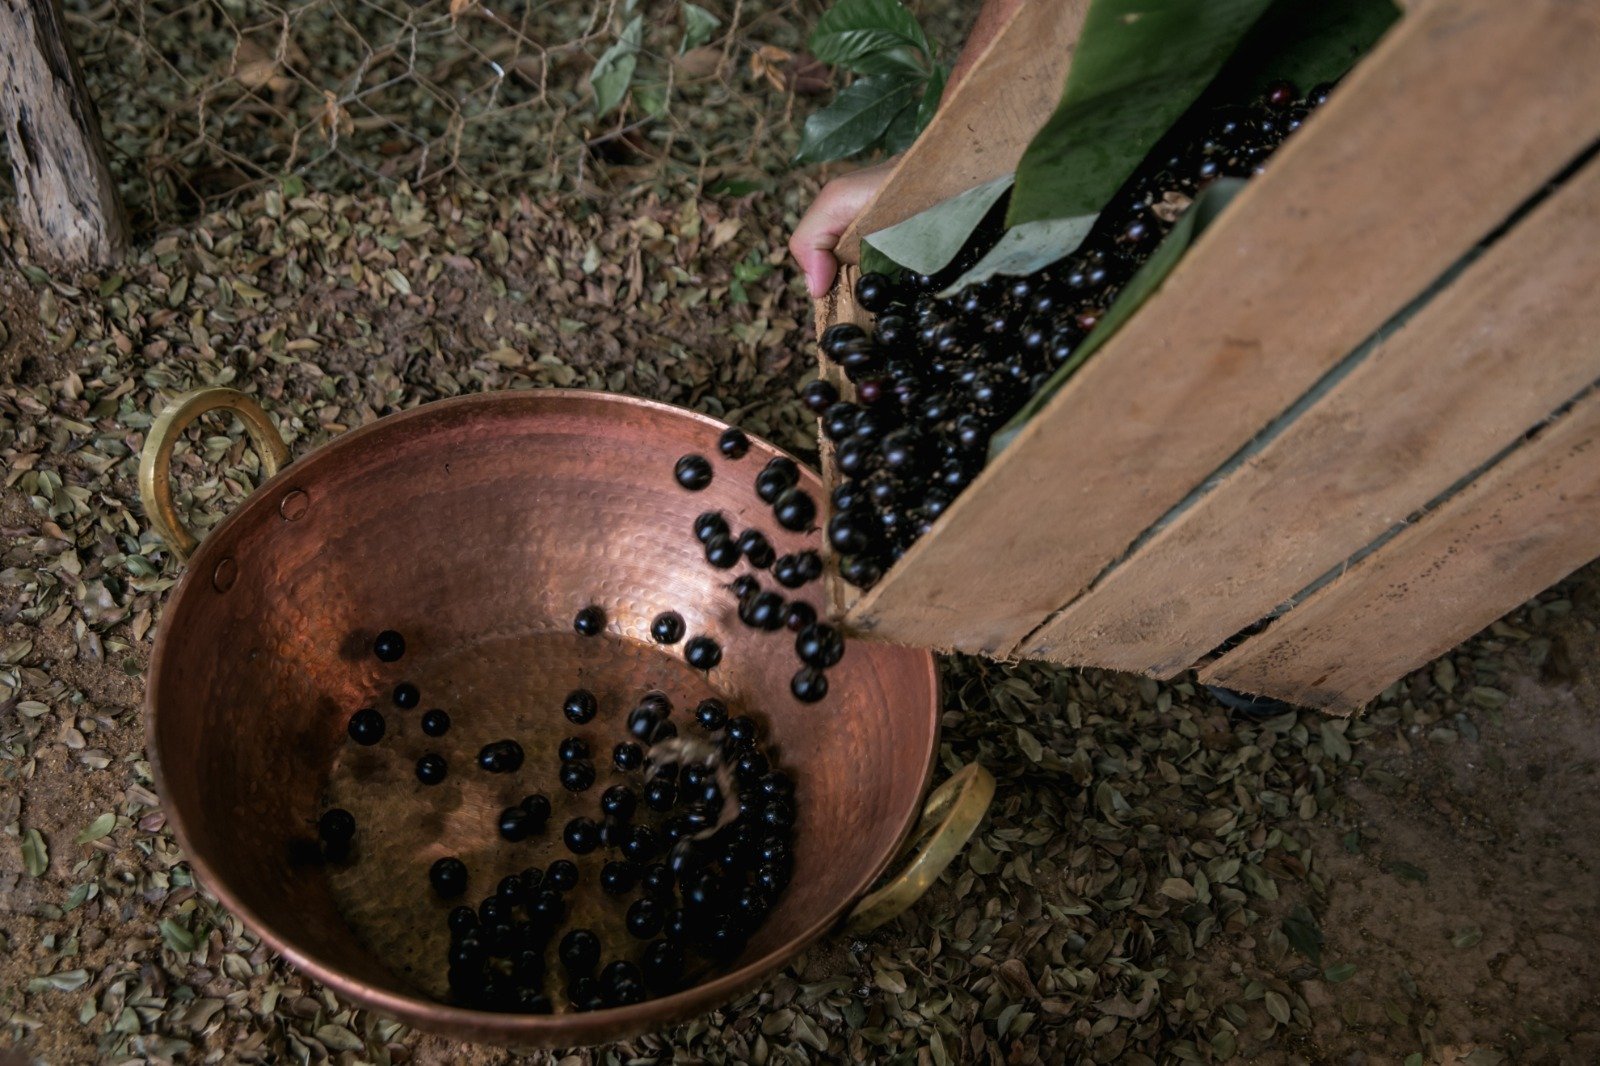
x: 927, y: 241
x: 1305, y: 43
x: 902, y: 130
x: 870, y: 37
x: 1466, y: 938
x: 932, y: 92
x: 1278, y: 1007
x: 1405, y: 871
x: 613, y: 72
x: 875, y: 262
x: 98, y: 829
x: 1301, y: 930
x: 1338, y: 972
x: 1139, y: 65
x: 698, y: 26
x: 858, y: 116
x: 1030, y: 745
x: 35, y: 854
x: 1207, y: 206
x: 177, y: 936
x: 1028, y: 247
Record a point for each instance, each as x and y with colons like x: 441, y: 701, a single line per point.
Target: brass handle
x: 949, y: 818
x: 155, y: 462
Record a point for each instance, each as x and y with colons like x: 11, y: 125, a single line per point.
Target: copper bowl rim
x: 429, y: 1013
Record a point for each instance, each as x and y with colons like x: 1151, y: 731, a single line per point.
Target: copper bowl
x: 478, y: 527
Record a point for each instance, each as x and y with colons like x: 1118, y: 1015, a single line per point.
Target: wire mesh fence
x: 203, y: 99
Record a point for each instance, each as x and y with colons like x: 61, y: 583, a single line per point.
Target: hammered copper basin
x: 478, y: 527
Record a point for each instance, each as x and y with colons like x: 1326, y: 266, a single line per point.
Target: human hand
x: 829, y: 215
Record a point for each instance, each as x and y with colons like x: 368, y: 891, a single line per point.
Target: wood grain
x: 1386, y: 187
x: 1509, y: 341
x: 1525, y: 524
x: 981, y: 130
x: 66, y: 199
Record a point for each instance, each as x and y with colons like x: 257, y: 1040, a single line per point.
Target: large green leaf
x: 1028, y: 247
x: 869, y: 36
x: 1139, y: 65
x: 613, y: 72
x: 902, y: 130
x: 931, y: 94
x: 927, y: 241
x: 1216, y: 196
x: 1304, y: 42
x: 858, y: 116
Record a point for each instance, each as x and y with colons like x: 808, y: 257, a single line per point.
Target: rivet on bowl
x: 226, y: 573
x: 294, y: 505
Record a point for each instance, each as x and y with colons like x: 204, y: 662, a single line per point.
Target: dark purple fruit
x: 722, y: 552
x: 580, y: 706
x: 875, y: 293
x: 702, y: 653
x: 809, y: 684
x: 745, y: 585
x: 406, y: 696
x: 770, y: 484
x: 693, y: 472
x: 854, y: 456
x: 448, y: 877
x: 514, y: 824
x: 757, y: 548
x: 643, y: 722
x: 618, y: 801
x: 627, y: 757
x: 590, y: 621
x: 537, y: 807
x: 577, y: 776
x: 500, y: 757
x: 336, y: 826
x: 850, y: 532
x: 641, y: 844
x: 562, y: 875
x: 709, y: 525
x: 860, y: 571
x: 1281, y: 94
x: 618, y: 878
x: 462, y: 919
x: 667, y: 627
x: 663, y: 964
x: 660, y: 794
x: 742, y: 732
x: 572, y: 748
x: 579, y: 952
x: 795, y: 510
x: 436, y: 723
x: 366, y: 726
x: 581, y: 836
x: 712, y: 714
x: 733, y: 444
x: 431, y: 768
x: 644, y: 918
x: 799, y: 615
x: 818, y: 396
x: 838, y: 422
x: 388, y: 646
x: 762, y: 611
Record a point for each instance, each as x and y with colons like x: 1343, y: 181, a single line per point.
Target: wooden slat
x: 1525, y: 524
x: 982, y: 129
x: 1460, y: 113
x: 1505, y: 344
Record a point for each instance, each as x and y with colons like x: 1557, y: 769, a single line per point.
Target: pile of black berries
x: 936, y: 377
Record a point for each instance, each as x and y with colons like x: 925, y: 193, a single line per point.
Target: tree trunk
x: 66, y: 199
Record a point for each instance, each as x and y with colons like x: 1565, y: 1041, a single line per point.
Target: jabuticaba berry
x: 572, y: 748
x: 618, y: 878
x: 702, y: 653
x: 876, y: 293
x: 712, y: 714
x: 809, y: 684
x: 580, y: 706
x: 562, y: 875
x: 579, y: 952
x: 818, y: 396
x: 709, y: 524
x: 850, y: 531
x: 693, y: 472
x: 745, y: 585
x: 722, y: 552
x: 756, y: 548
x: 627, y: 757
x: 500, y: 757
x: 581, y: 835
x: 537, y: 807
x: 577, y: 776
x: 618, y: 801
x: 660, y: 794
x: 590, y: 621
x: 762, y: 611
x: 733, y: 444
x: 742, y: 732
x: 366, y: 726
x: 838, y: 424
x: 389, y: 646
x: 837, y: 336
x: 799, y: 615
x: 860, y: 571
x: 640, y: 844
x: 448, y: 877
x: 406, y: 696
x: 336, y: 826
x: 514, y: 824
x: 667, y: 627
x: 795, y: 510
x: 431, y: 768
x: 436, y: 723
x: 644, y: 918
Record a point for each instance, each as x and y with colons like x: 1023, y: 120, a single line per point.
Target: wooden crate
x: 1269, y: 473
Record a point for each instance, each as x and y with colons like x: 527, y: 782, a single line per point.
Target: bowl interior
x: 478, y: 528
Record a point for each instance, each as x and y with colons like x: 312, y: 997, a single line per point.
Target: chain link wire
x: 203, y: 100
